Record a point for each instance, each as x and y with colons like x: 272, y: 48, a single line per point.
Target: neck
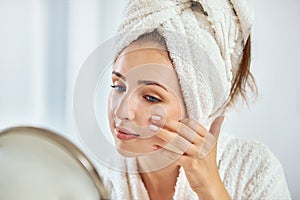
x: 160, y: 182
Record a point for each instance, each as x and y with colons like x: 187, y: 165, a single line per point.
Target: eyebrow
x: 140, y: 82
x: 119, y: 75
x: 145, y: 82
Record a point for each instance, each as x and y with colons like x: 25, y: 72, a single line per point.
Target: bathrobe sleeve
x: 249, y: 170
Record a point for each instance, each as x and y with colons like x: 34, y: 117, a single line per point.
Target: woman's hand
x: 198, y: 150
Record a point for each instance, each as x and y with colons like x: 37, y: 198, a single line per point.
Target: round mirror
x: 36, y: 163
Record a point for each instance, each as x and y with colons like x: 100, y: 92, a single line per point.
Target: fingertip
x: 156, y: 147
x: 219, y: 120
x: 216, y: 125
x: 222, y: 119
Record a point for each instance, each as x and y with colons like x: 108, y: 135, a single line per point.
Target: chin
x: 128, y: 152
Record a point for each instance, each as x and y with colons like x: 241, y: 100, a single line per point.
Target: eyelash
x: 154, y: 100
x: 149, y: 98
x: 118, y: 88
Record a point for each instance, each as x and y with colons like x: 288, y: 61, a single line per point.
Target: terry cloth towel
x: 205, y: 39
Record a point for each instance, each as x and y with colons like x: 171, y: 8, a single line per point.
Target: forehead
x: 151, y: 64
x: 136, y: 55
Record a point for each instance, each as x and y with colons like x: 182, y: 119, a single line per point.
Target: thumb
x: 216, y: 126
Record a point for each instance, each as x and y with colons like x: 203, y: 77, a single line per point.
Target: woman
x: 180, y: 65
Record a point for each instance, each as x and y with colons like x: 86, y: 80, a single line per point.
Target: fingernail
x: 155, y: 117
x: 155, y: 147
x: 153, y: 127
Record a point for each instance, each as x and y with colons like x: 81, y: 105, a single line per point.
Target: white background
x: 43, y: 43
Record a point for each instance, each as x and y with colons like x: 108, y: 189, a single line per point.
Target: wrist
x: 214, y: 192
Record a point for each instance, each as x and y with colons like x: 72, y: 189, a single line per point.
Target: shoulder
x: 241, y: 156
x: 250, y: 169
x: 245, y: 150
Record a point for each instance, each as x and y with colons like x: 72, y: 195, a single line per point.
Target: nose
x: 125, y: 109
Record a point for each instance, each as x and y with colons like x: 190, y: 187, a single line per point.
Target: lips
x: 124, y: 134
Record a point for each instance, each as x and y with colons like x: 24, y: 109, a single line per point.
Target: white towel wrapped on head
x: 204, y: 38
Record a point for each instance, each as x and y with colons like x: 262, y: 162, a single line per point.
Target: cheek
x: 142, y: 111
x: 134, y: 103
x: 114, y: 100
x: 110, y: 107
x: 175, y: 110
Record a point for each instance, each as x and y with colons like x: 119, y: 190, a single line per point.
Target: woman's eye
x: 152, y: 99
x: 119, y: 88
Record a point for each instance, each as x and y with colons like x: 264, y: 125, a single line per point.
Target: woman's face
x: 144, y: 84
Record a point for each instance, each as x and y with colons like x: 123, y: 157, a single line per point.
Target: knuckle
x: 190, y: 122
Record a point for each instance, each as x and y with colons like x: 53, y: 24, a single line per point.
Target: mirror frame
x: 69, y: 147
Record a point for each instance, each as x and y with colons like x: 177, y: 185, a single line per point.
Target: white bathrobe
x: 248, y: 169
x: 205, y: 39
